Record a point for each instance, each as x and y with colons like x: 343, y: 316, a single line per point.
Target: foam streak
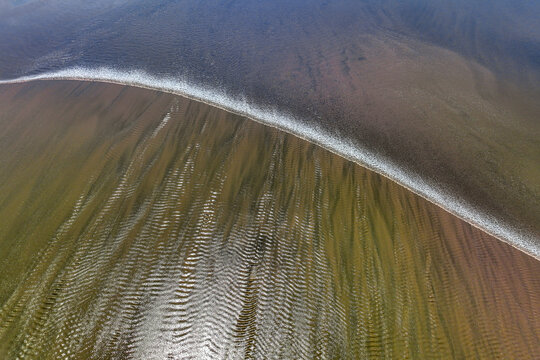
x: 282, y: 120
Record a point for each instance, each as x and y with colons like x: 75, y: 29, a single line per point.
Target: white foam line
x: 518, y: 238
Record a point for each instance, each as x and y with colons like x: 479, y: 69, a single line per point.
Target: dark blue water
x: 213, y: 40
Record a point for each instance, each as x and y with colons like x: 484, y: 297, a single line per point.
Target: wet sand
x: 141, y: 224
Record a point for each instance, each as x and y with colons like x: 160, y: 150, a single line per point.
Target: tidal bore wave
x: 282, y: 120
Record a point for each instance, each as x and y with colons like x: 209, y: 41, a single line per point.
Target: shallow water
x: 137, y: 224
x: 442, y: 94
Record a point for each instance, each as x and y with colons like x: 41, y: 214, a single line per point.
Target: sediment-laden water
x: 440, y: 96
x: 138, y: 224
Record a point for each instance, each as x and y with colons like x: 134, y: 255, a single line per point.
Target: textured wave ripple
x: 518, y: 235
x: 440, y: 96
x: 137, y: 224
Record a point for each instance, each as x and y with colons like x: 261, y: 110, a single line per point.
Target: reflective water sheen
x: 439, y: 95
x: 137, y: 224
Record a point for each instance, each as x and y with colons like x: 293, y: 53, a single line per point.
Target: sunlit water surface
x: 440, y: 96
x: 137, y: 224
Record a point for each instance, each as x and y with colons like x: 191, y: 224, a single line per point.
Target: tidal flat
x: 139, y: 224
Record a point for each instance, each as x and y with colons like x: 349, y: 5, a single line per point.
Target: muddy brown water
x: 138, y: 224
x: 444, y: 90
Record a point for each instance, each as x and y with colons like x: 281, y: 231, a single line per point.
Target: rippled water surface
x: 439, y: 95
x: 137, y: 224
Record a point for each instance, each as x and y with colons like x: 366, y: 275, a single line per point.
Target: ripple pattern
x: 137, y: 224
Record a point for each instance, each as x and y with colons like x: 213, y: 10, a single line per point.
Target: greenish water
x: 136, y: 224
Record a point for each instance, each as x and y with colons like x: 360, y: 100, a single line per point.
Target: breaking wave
x: 518, y: 238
